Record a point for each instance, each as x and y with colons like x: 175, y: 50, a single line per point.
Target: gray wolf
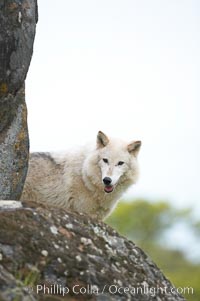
x: 89, y: 180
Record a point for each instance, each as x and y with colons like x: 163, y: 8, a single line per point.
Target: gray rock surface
x: 17, y: 31
x: 52, y: 254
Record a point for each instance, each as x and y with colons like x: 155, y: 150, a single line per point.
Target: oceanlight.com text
x: 113, y: 289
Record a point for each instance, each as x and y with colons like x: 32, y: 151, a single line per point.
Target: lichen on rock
x: 87, y: 261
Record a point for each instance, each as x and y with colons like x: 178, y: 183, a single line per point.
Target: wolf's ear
x: 102, y: 140
x: 134, y: 147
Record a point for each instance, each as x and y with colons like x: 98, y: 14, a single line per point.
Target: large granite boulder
x: 52, y: 254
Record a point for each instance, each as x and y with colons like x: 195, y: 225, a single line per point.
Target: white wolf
x: 88, y: 181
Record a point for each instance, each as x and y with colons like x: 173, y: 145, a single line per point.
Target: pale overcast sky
x: 131, y: 69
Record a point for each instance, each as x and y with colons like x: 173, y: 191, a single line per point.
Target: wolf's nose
x: 107, y: 180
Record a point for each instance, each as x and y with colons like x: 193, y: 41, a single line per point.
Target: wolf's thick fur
x: 88, y: 181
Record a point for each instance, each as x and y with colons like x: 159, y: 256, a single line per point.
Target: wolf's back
x: 42, y: 173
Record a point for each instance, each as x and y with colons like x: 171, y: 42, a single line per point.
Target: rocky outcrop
x: 17, y: 31
x: 52, y: 254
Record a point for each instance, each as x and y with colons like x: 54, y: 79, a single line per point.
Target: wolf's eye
x: 105, y: 160
x: 120, y: 163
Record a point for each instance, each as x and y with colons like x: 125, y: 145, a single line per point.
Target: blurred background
x: 131, y: 69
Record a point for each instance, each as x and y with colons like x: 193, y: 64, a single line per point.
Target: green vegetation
x: 28, y: 276
x: 146, y: 224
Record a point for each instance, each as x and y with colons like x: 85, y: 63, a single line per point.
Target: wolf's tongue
x: 108, y: 188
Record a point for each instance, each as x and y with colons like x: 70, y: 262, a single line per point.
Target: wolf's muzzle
x: 108, y: 186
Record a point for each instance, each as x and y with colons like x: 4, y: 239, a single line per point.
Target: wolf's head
x: 117, y: 161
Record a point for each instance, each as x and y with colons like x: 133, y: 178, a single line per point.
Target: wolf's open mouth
x: 108, y: 188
